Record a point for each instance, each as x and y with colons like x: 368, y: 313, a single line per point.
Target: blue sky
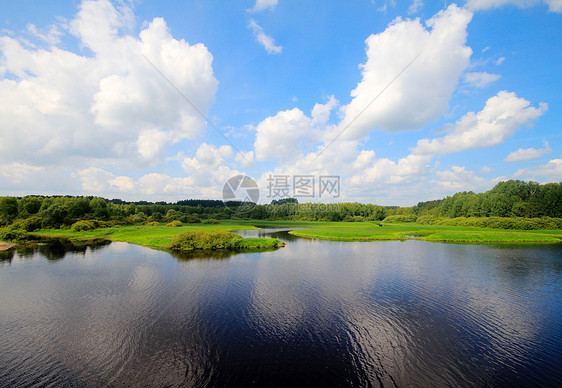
x: 404, y: 101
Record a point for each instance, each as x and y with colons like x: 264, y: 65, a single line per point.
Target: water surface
x: 314, y: 313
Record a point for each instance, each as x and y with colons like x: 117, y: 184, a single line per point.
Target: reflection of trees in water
x: 98, y: 245
x: 282, y: 235
x: 56, y: 249
x: 7, y: 256
x: 216, y: 254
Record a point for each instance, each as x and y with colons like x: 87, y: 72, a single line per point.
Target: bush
x: 495, y: 222
x: 14, y: 234
x: 199, y: 239
x: 174, y: 224
x: 401, y: 218
x: 190, y: 219
x: 82, y: 226
x: 136, y: 218
x: 212, y: 221
x: 151, y: 223
x: 29, y: 224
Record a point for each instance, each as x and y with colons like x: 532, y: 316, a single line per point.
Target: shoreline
x: 4, y: 246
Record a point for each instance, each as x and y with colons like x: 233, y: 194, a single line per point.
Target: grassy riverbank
x: 161, y: 236
x: 156, y: 236
x: 437, y: 233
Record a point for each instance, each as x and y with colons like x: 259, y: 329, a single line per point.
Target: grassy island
x: 201, y: 236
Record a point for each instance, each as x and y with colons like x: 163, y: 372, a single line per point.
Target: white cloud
x: 51, y: 36
x: 208, y: 168
x: 476, y: 5
x: 162, y: 184
x: 552, y: 170
x: 386, y: 171
x: 95, y: 180
x: 528, y: 153
x: 321, y: 112
x: 458, y: 178
x: 480, y: 79
x: 283, y: 136
x: 415, y: 6
x: 387, y: 4
x: 486, y: 170
x: 111, y: 105
x: 123, y: 184
x: 245, y: 159
x: 423, y: 90
x: 18, y: 173
x: 265, y: 40
x: 501, y: 117
x: 500, y: 60
x: 262, y: 5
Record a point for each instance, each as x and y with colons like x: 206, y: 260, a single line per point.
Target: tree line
x: 513, y: 198
x: 510, y: 199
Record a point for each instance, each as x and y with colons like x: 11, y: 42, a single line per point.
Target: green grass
x: 160, y: 236
x: 438, y: 233
x: 149, y: 236
x: 254, y: 242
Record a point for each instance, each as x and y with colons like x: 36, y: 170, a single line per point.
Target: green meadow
x: 368, y: 231
x: 161, y: 236
x: 149, y: 236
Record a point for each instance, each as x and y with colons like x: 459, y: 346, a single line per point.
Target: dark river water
x: 314, y: 313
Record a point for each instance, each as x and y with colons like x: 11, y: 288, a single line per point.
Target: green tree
x: 8, y: 208
x: 54, y: 216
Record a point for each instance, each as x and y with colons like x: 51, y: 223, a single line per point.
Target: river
x: 314, y: 313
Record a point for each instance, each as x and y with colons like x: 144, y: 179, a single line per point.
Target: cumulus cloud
x: 154, y: 185
x: 283, y: 136
x: 476, y: 5
x: 457, y: 178
x: 501, y: 117
x: 208, y: 168
x: 552, y: 170
x: 423, y: 90
x: 528, y: 153
x: 57, y: 106
x: 480, y: 79
x: 386, y: 171
x: 262, y: 5
x: 265, y: 40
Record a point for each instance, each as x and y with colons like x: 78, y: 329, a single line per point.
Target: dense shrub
x: 136, y: 218
x: 29, y: 224
x: 204, y: 240
x: 174, y: 224
x: 190, y: 219
x: 401, y: 218
x: 151, y: 223
x: 212, y: 221
x: 11, y: 233
x: 82, y: 226
x: 495, y: 222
